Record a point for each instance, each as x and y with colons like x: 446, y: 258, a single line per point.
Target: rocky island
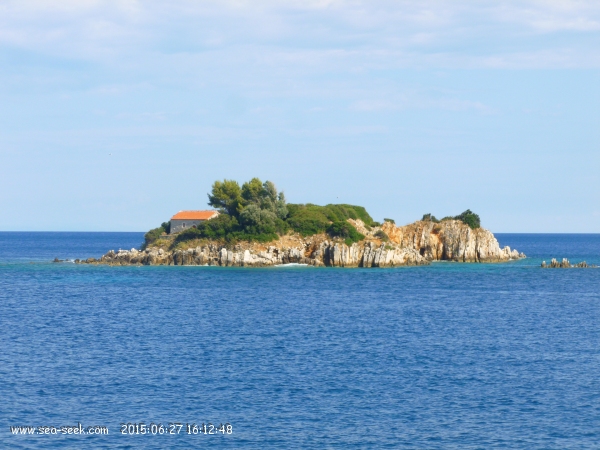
x: 255, y: 227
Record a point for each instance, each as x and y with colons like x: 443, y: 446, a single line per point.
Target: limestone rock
x: 415, y: 244
x: 450, y: 240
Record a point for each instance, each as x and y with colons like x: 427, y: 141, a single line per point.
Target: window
x: 183, y: 224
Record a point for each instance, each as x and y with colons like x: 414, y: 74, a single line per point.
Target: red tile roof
x: 194, y: 215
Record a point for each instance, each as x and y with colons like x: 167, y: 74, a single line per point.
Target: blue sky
x: 117, y: 114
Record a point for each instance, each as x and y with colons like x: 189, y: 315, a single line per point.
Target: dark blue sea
x: 445, y: 356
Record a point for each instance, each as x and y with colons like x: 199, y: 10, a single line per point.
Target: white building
x: 187, y: 219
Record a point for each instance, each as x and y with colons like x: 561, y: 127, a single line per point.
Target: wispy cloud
x: 548, y: 16
x: 459, y: 30
x: 334, y: 50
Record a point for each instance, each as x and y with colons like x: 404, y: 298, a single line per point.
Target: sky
x: 117, y: 114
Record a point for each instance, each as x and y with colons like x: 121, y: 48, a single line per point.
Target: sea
x: 446, y: 356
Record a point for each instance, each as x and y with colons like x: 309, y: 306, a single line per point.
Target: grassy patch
x: 346, y: 231
x: 311, y: 219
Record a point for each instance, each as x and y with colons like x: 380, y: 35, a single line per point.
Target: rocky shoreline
x: 386, y: 246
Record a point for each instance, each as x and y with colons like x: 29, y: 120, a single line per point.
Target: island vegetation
x: 257, y: 211
x: 468, y: 217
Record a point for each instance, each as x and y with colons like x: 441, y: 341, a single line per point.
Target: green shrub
x: 306, y: 219
x: 188, y: 235
x: 155, y: 234
x: 307, y: 226
x: 380, y: 234
x: 311, y: 219
x: 226, y: 228
x: 346, y: 231
x: 343, y: 212
x: 389, y: 220
x: 219, y: 227
x: 375, y: 224
x: 255, y: 220
x: 430, y: 218
x: 470, y: 218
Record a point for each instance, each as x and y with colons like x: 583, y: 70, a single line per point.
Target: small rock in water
x: 565, y: 264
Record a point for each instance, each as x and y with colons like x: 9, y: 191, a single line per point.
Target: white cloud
x: 549, y: 16
x: 423, y: 33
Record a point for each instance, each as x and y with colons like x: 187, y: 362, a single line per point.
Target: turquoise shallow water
x: 445, y: 356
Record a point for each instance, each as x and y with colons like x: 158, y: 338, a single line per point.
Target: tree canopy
x: 229, y: 198
x: 226, y: 196
x: 257, y: 209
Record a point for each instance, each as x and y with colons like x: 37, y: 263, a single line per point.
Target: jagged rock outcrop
x: 450, y: 240
x: 415, y: 244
